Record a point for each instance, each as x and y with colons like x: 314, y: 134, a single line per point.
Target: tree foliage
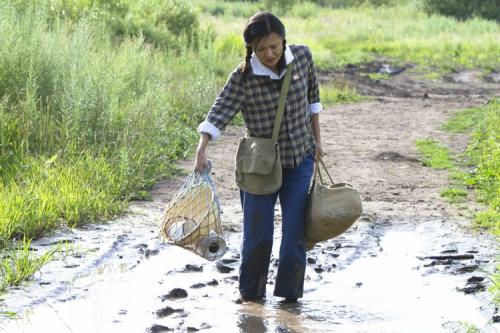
x: 464, y: 9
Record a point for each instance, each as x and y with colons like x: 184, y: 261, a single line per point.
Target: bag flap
x: 256, y: 155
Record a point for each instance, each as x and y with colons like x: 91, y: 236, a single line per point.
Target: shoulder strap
x: 281, y: 105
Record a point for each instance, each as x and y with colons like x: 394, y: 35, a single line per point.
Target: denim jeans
x: 258, y: 229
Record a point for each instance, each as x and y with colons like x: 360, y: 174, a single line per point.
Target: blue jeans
x: 258, y: 229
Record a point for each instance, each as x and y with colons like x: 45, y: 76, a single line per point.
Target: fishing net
x: 192, y: 218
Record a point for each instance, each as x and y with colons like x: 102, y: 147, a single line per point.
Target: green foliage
x: 454, y: 194
x: 164, y: 23
x: 464, y: 9
x: 280, y: 6
x: 435, y: 155
x: 462, y: 121
x: 59, y: 191
x: 338, y: 93
x: 495, y: 288
x: 304, y: 10
x: 231, y: 44
x: 399, y: 34
x: 87, y: 123
x: 484, y: 154
x: 19, y: 264
x: 355, y: 3
x: 243, y: 9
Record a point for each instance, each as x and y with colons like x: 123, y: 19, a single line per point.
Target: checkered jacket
x: 257, y: 98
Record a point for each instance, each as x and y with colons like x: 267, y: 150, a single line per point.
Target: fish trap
x: 192, y: 218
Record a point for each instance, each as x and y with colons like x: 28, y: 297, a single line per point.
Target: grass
x: 484, y: 154
x: 435, y: 155
x: 482, y: 159
x: 454, y: 195
x: 338, y: 93
x: 358, y: 35
x: 19, y: 264
x: 378, y: 76
x: 462, y: 121
x: 86, y: 124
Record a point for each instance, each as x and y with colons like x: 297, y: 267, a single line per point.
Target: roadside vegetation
x: 400, y: 33
x: 475, y: 174
x: 99, y: 99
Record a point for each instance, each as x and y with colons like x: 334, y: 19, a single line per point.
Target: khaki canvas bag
x: 331, y: 209
x: 258, y: 165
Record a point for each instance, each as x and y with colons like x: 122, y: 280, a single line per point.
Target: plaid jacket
x: 257, y: 98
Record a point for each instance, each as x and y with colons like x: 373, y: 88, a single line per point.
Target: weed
x: 338, y: 93
x: 19, y: 264
x: 462, y: 121
x: 434, y: 154
x: 378, y: 76
x: 454, y: 195
x: 483, y: 153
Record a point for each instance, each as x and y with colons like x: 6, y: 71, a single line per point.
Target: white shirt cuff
x: 315, y: 108
x: 209, y: 128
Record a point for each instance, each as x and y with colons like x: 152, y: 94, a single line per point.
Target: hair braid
x: 245, y: 66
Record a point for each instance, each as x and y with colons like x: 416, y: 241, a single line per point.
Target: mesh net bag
x: 192, y: 218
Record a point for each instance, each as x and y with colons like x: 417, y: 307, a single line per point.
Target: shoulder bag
x: 258, y: 165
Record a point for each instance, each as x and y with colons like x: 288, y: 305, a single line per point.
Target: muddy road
x: 411, y: 263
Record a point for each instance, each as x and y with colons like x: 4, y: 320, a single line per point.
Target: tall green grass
x: 86, y: 122
x: 401, y: 33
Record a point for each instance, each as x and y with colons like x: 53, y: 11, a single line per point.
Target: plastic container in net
x: 192, y: 218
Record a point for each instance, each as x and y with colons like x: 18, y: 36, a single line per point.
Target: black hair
x: 259, y: 26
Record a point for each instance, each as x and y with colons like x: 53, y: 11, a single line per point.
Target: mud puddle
x: 378, y: 277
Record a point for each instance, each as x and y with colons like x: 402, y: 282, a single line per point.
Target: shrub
x: 160, y: 22
x: 464, y: 9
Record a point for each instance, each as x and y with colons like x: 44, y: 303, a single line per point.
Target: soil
x: 411, y: 263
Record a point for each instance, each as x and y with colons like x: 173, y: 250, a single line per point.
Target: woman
x: 254, y: 88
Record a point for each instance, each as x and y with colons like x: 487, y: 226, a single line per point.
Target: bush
x: 464, y: 9
x: 114, y: 116
x: 160, y: 22
x: 281, y: 5
x: 356, y: 3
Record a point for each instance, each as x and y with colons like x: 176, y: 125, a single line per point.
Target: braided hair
x: 259, y: 26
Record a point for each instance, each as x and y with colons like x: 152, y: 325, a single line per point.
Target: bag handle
x: 317, y: 171
x: 281, y: 105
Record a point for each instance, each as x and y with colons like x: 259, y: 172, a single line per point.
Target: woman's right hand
x: 201, y: 162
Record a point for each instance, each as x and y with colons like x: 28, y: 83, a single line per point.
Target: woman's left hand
x: 319, y: 151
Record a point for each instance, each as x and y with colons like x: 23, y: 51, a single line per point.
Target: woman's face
x: 269, y: 50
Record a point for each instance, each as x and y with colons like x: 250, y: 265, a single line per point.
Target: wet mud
x: 411, y: 263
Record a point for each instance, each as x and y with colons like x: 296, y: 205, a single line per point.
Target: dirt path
x: 409, y: 265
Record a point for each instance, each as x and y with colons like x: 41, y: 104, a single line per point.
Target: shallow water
x: 371, y: 279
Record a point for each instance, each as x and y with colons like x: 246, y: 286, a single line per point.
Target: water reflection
x: 251, y: 324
